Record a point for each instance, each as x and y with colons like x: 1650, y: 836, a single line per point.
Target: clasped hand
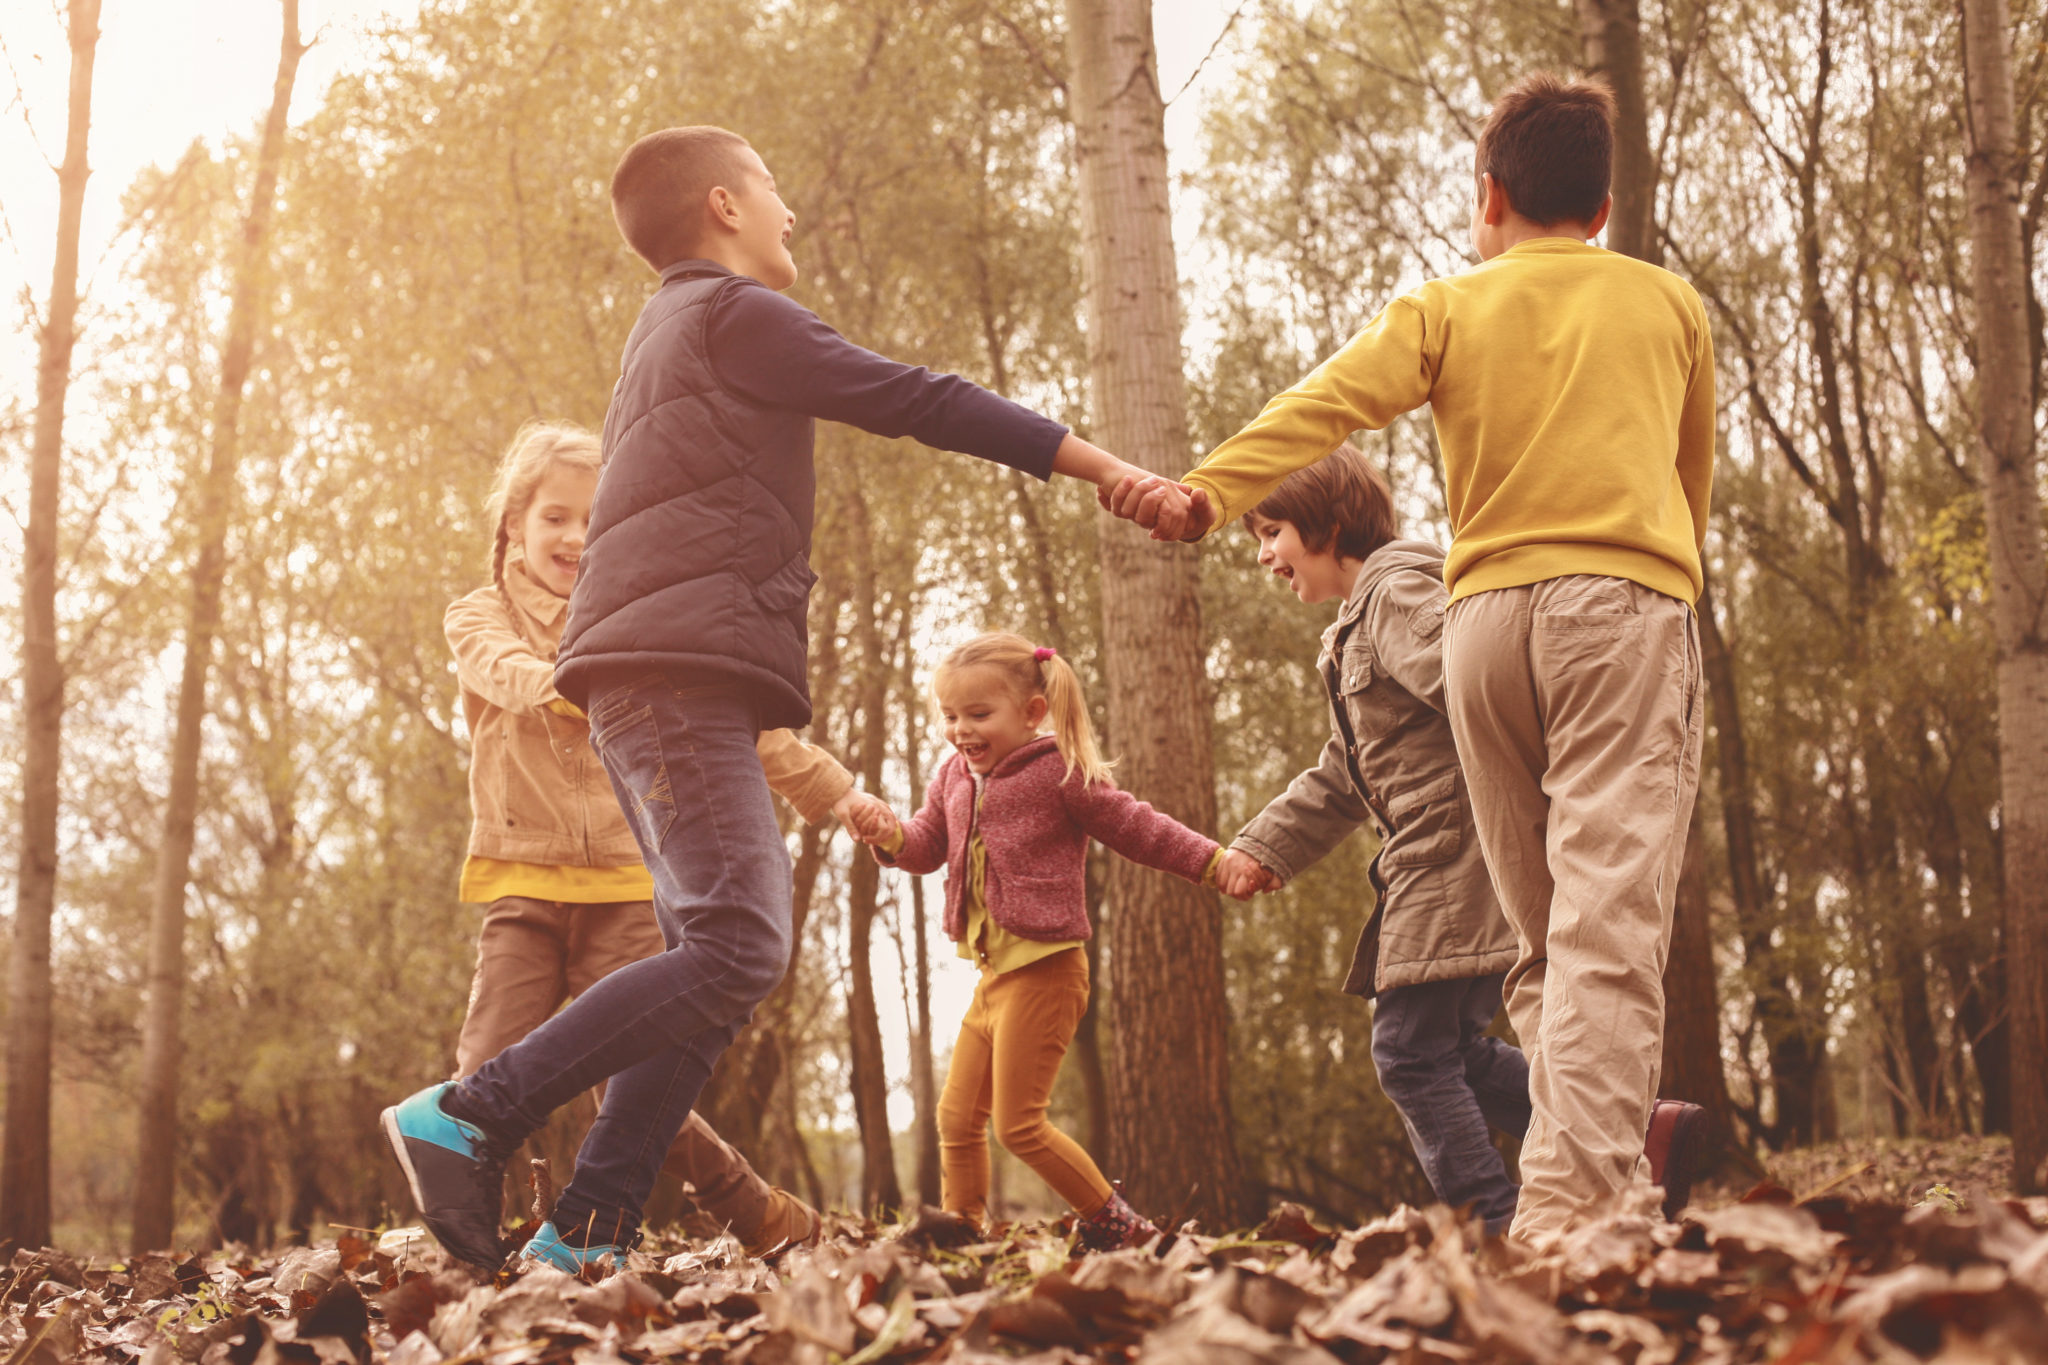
x: 1169, y: 510
x: 867, y: 818
x: 1242, y: 876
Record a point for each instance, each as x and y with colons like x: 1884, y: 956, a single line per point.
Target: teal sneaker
x: 456, y: 1172
x: 548, y: 1248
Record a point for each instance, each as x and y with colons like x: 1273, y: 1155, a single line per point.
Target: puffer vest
x: 697, y: 560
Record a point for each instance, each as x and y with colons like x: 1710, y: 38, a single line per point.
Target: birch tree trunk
x: 1170, y: 1123
x: 156, y: 1165
x: 2019, y: 568
x: 25, y: 1156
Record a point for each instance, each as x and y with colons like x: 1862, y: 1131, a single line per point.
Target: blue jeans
x: 1450, y: 1081
x: 683, y: 763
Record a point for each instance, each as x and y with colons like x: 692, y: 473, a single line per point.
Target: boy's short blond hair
x: 1339, y: 503
x: 660, y: 187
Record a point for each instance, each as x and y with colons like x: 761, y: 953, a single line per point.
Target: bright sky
x: 172, y: 70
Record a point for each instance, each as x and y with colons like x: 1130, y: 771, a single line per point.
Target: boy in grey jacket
x: 1437, y: 948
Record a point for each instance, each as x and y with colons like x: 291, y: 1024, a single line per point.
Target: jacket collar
x: 1024, y: 755
x: 695, y: 266
x: 529, y: 596
x: 1391, y: 557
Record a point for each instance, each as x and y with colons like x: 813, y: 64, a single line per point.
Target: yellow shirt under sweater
x: 488, y: 879
x: 1573, y: 394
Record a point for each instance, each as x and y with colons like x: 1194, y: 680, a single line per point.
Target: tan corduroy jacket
x: 537, y: 792
x: 1390, y: 761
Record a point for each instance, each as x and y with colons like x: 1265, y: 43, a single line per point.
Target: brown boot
x: 787, y: 1222
x: 1675, y: 1144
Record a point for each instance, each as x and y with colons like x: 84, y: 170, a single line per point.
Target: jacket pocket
x: 1039, y: 907
x: 788, y: 588
x: 1429, y: 826
x: 1365, y: 706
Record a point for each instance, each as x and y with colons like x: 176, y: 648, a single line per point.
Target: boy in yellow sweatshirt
x: 1573, y: 394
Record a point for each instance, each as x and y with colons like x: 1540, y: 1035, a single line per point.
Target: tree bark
x: 25, y: 1155
x: 2019, y: 566
x: 924, y: 1082
x: 1170, y: 1127
x: 1611, y: 37
x: 156, y: 1165
x: 1692, y: 1004
x: 879, y: 1186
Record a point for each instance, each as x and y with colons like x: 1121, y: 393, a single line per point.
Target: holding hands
x: 867, y: 818
x: 1242, y: 876
x: 1169, y: 510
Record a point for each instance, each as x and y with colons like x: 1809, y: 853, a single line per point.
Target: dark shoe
x: 1675, y: 1145
x: 548, y: 1248
x: 1114, y: 1226
x: 457, y: 1174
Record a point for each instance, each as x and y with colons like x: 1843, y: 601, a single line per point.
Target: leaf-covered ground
x: 1835, y: 1279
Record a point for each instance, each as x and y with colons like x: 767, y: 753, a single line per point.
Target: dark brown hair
x: 1550, y: 144
x: 659, y: 189
x: 1340, y: 502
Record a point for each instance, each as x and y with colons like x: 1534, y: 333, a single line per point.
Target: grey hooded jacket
x: 1391, y: 762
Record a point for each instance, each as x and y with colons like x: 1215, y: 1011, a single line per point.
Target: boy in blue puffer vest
x: 686, y: 638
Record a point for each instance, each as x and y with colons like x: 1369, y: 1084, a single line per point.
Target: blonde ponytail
x: 1036, y: 671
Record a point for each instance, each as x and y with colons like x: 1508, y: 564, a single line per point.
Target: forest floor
x: 1845, y: 1258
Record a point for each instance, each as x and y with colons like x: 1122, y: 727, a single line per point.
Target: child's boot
x: 456, y: 1171
x: 786, y: 1221
x: 1675, y: 1144
x: 1114, y: 1226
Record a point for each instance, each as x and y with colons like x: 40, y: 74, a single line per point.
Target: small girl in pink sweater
x: 1009, y: 816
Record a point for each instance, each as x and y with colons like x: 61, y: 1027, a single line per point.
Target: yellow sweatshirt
x: 1573, y: 393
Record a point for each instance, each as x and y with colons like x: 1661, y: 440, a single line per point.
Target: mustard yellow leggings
x: 1008, y: 1054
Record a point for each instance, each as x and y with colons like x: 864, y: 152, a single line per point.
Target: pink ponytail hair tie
x: 1043, y: 652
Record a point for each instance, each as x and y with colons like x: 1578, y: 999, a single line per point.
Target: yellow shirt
x: 1573, y: 394
x: 488, y: 879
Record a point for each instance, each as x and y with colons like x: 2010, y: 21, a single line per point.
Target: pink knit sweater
x: 1036, y: 826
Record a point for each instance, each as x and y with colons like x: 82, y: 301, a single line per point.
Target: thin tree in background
x: 1610, y: 32
x: 1170, y: 1123
x: 2019, y: 566
x: 25, y: 1163
x: 156, y: 1167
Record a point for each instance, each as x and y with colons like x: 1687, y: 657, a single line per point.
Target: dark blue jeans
x: 1450, y: 1081
x: 683, y: 763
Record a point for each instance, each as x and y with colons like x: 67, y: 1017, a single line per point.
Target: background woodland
x: 440, y: 267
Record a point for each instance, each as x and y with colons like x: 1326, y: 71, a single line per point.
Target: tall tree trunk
x: 1610, y: 33
x: 2019, y: 566
x: 1170, y: 1050
x: 1611, y: 38
x: 924, y: 1082
x: 156, y: 1164
x: 878, y: 1184
x: 1692, y: 1004
x: 25, y: 1157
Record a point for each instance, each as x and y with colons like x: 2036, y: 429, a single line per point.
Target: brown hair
x: 536, y: 449
x: 1028, y: 675
x: 1549, y: 143
x: 659, y: 189
x: 1340, y: 502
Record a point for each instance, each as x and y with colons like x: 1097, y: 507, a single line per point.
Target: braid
x: 498, y: 546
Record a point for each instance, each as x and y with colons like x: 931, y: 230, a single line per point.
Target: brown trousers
x: 531, y: 956
x: 1576, y: 706
x: 1008, y: 1055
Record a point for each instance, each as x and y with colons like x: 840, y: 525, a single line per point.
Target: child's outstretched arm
x: 1133, y: 829
x: 817, y: 784
x: 1318, y: 809
x: 493, y: 659
x: 1384, y: 371
x: 918, y: 845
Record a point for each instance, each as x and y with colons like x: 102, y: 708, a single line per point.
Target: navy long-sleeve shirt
x: 776, y: 352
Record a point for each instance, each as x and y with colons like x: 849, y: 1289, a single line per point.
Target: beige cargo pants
x: 1576, y: 706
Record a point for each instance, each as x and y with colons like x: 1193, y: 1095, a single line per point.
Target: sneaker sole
x: 388, y: 1121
